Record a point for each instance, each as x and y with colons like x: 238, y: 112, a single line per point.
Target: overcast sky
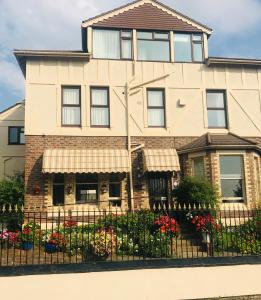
x: 55, y: 24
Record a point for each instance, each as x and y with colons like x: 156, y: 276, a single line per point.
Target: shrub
x: 196, y: 192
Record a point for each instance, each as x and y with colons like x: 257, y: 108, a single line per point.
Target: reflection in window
x: 86, y: 188
x: 188, y: 47
x: 153, y: 46
x: 232, y: 177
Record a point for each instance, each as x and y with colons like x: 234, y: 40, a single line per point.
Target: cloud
x: 225, y: 16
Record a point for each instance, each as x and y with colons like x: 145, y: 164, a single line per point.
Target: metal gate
x: 158, y: 190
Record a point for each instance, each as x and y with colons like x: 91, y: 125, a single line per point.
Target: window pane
x: 197, y: 37
x: 13, y: 133
x: 216, y: 118
x: 232, y: 188
x: 86, y: 193
x: 182, y: 47
x: 114, y: 190
x: 58, y: 194
x: 198, y: 164
x: 144, y: 35
x: 215, y: 100
x: 99, y: 96
x: 197, y: 52
x: 161, y: 35
x: 231, y: 166
x: 22, y: 136
x: 71, y: 116
x: 106, y: 44
x: 86, y: 178
x: 58, y: 178
x: 71, y: 96
x: 153, y: 50
x: 155, y: 98
x: 156, y: 117
x: 126, y: 34
x: 126, y: 49
x: 100, y: 116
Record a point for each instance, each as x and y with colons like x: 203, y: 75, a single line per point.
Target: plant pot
x: 205, y: 237
x: 50, y: 248
x: 27, y: 245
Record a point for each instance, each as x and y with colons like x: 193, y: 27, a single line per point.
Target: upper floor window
x: 153, y: 46
x: 100, y: 107
x: 16, y: 135
x: 71, y: 106
x: 112, y: 44
x: 156, y: 107
x: 188, y: 47
x: 216, y: 105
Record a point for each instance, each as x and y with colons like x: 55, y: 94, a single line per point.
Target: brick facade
x: 35, y: 146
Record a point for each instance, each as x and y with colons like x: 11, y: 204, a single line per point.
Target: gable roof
x: 146, y: 14
x: 218, y: 141
x: 12, y: 106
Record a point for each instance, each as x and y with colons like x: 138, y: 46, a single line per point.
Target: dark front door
x: 158, y: 190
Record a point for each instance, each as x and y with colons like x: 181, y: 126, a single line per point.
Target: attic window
x: 188, y: 47
x: 112, y: 44
x: 153, y: 46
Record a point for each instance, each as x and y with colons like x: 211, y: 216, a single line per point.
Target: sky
x: 55, y: 24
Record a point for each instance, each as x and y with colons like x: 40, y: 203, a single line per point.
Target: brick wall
x: 35, y: 146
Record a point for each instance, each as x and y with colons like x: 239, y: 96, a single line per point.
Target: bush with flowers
x: 8, y: 238
x: 206, y: 223
x: 167, y: 225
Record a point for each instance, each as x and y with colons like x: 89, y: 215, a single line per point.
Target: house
x: 12, y: 148
x: 116, y: 123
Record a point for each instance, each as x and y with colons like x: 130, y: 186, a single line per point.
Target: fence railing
x: 32, y: 237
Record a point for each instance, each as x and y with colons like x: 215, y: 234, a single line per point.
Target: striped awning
x: 85, y: 161
x: 161, y: 160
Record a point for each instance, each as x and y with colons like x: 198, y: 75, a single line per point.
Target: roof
x: 218, y: 141
x: 85, y: 161
x: 146, y: 14
x: 11, y: 107
x: 161, y: 160
x: 226, y: 61
x: 23, y: 54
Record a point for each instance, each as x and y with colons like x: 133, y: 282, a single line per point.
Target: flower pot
x: 50, y: 248
x: 205, y: 237
x: 27, y: 245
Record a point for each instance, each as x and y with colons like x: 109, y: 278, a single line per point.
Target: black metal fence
x: 62, y: 237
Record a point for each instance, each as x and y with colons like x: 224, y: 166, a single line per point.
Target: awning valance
x: 85, y: 161
x: 161, y: 160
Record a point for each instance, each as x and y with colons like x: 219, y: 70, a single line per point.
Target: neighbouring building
x: 116, y: 123
x: 12, y: 148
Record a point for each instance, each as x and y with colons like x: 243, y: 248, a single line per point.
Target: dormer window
x: 112, y: 44
x: 188, y: 47
x: 153, y: 46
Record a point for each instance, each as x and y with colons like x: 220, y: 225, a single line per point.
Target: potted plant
x: 206, y: 225
x: 103, y: 244
x: 8, y: 238
x: 29, y: 234
x: 55, y: 242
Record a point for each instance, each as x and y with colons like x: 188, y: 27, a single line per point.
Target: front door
x: 158, y: 190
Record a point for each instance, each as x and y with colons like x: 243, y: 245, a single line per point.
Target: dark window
x: 58, y: 189
x: 112, y: 44
x: 115, y: 191
x: 86, y: 188
x: 156, y: 107
x: 153, y: 46
x: 188, y: 47
x: 15, y: 135
x: 216, y: 105
x: 71, y: 105
x: 100, y: 112
x: 232, y: 177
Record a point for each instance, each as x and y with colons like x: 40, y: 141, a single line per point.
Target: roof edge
x: 208, y: 29
x: 215, y: 61
x: 12, y: 106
